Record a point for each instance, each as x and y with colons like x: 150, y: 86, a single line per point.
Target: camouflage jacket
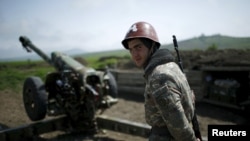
x: 168, y: 97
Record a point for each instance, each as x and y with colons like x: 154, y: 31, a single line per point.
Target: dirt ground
x: 130, y: 107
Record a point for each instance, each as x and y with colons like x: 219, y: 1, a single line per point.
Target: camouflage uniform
x: 169, y: 100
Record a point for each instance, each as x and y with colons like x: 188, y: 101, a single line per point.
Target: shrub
x: 213, y: 47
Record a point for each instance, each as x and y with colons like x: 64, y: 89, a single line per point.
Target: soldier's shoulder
x: 166, y: 69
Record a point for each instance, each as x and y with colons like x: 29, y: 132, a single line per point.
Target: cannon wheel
x: 34, y: 98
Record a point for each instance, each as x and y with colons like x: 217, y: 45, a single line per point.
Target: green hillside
x: 204, y: 42
x: 118, y: 53
x: 198, y: 43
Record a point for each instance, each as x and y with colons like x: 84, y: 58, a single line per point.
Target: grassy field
x: 13, y: 74
x: 99, y: 60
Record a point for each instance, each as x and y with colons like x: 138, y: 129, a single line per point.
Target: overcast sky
x: 96, y: 25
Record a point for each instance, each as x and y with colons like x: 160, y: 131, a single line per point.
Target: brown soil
x: 12, y: 113
x: 129, y: 107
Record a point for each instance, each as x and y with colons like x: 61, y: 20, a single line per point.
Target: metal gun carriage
x: 73, y: 89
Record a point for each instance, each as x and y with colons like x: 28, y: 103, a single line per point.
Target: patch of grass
x: 96, y: 63
x: 13, y: 74
x: 98, y: 60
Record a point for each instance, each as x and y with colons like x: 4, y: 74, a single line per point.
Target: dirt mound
x: 230, y: 57
x: 196, y: 59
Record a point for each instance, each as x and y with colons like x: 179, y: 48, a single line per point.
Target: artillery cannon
x: 73, y: 90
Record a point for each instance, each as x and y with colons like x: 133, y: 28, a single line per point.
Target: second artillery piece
x: 73, y: 89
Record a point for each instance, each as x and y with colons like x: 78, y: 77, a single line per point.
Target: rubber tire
x: 35, y: 98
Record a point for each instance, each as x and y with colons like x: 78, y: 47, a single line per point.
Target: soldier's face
x: 139, y: 52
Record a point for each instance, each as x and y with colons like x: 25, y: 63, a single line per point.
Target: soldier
x: 169, y: 101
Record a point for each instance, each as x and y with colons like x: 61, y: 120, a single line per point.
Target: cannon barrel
x: 28, y: 45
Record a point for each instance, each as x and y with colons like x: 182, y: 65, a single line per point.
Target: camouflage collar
x: 160, y: 57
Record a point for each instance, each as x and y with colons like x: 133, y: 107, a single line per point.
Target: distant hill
x: 118, y: 52
x: 197, y: 43
x: 23, y: 55
x: 203, y: 42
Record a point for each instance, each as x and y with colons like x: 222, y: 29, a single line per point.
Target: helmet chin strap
x: 151, y: 52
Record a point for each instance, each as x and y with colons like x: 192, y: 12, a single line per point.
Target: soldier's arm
x: 168, y: 100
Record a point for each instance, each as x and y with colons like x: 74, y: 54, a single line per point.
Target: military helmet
x: 141, y: 30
